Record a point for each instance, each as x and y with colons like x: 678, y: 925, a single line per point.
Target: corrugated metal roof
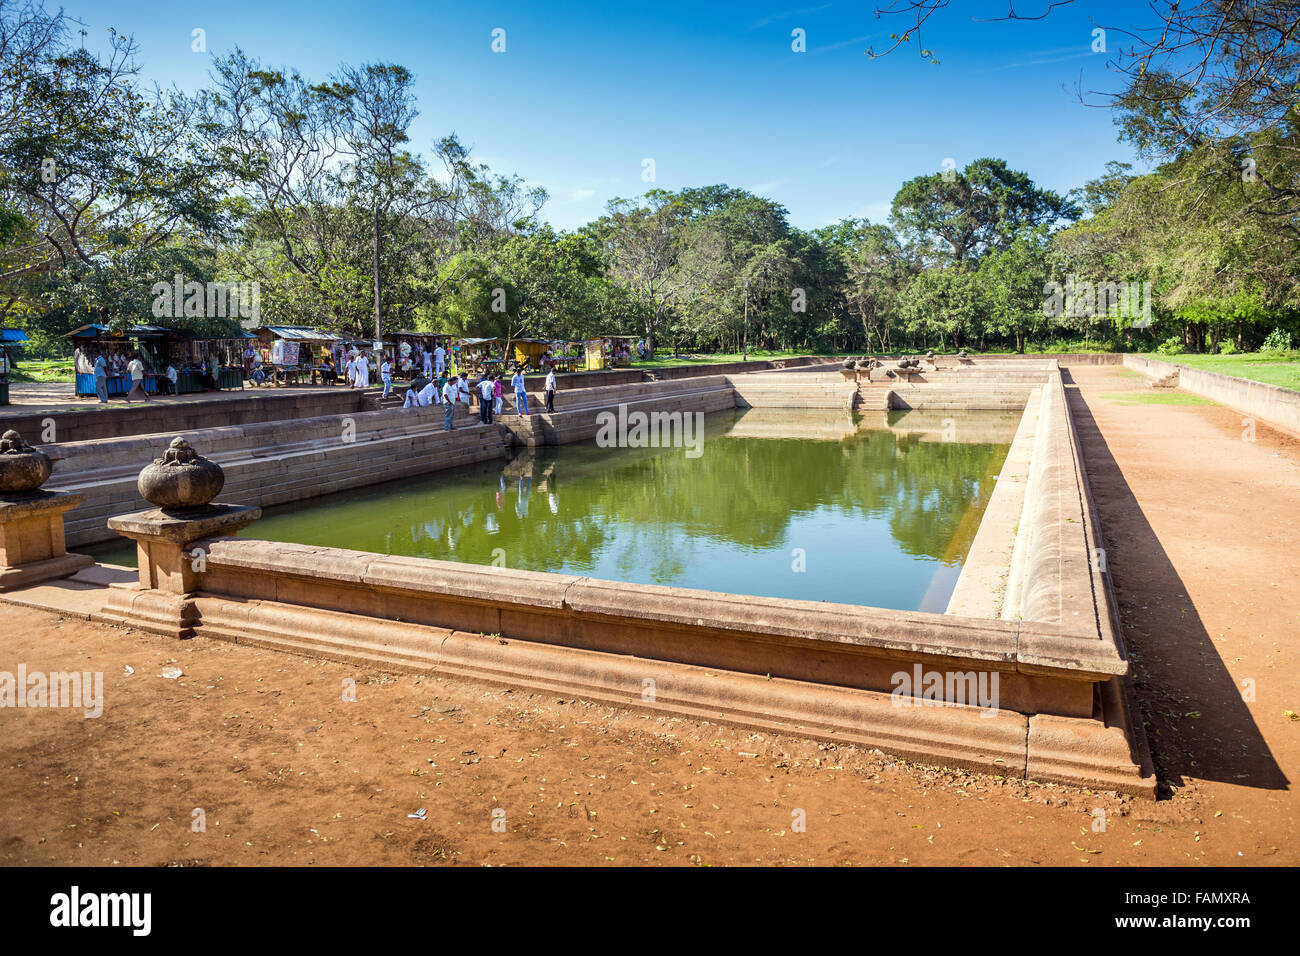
x: 13, y: 335
x: 297, y: 333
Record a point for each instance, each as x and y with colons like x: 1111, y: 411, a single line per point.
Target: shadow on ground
x: 1177, y: 670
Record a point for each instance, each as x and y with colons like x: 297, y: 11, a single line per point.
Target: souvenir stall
x: 565, y: 356
x: 409, y: 360
x: 207, y: 362
x: 290, y: 353
x: 529, y: 352
x: 153, y: 342
x: 479, y: 355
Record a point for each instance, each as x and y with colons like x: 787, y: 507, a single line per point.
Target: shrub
x: 1227, y: 348
x: 1170, y: 346
x: 1277, y: 341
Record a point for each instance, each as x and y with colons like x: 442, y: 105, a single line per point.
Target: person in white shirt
x: 170, y: 377
x: 136, y: 370
x: 521, y: 392
x: 550, y: 391
x: 361, y: 378
x: 429, y: 394
x: 386, y: 375
x: 427, y: 362
x: 486, y: 395
x: 440, y: 359
x: 450, y: 393
x: 412, y: 399
x: 462, y: 389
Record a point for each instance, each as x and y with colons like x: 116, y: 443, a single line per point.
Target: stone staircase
x: 277, y: 462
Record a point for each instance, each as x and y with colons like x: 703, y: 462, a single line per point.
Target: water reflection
x: 877, y: 509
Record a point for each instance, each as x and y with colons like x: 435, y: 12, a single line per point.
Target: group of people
x: 452, y: 390
x: 133, y: 367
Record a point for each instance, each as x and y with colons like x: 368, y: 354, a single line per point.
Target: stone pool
x: 868, y: 508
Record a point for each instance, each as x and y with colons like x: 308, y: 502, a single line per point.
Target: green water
x: 809, y: 504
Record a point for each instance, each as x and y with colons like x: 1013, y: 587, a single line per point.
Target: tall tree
x: 958, y: 216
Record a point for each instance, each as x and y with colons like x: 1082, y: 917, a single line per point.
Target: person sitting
x: 257, y: 375
x: 167, y: 381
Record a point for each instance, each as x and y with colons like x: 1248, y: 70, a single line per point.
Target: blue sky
x: 713, y: 93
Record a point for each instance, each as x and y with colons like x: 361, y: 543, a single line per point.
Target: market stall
x: 204, y: 362
x: 409, y: 359
x: 565, y: 356
x: 152, y: 342
x: 529, y: 352
x: 291, y: 353
x: 11, y: 340
x: 479, y: 355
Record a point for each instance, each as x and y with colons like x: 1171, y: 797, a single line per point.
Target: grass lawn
x: 1279, y: 368
x: 1157, y: 398
x: 42, y: 370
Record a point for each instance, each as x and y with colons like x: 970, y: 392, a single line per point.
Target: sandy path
x: 288, y: 772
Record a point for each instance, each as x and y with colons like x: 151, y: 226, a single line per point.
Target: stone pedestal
x: 32, y: 547
x: 164, y: 538
x: 170, y: 564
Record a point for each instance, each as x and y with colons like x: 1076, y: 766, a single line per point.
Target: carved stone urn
x: 23, y: 469
x: 181, y: 480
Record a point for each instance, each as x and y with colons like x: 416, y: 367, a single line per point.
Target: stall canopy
x: 294, y: 333
x: 97, y: 331
x: 13, y: 337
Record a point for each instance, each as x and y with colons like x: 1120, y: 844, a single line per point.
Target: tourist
x: 550, y: 391
x: 462, y: 389
x: 450, y: 394
x: 486, y: 396
x: 258, y: 374
x: 521, y: 391
x: 497, y: 395
x: 428, y: 393
x: 361, y: 377
x: 101, y: 379
x: 440, y: 358
x: 386, y: 376
x: 427, y: 358
x: 136, y: 370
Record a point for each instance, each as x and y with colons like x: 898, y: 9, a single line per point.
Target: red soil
x: 1200, y: 531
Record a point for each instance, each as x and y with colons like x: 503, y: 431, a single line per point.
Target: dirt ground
x: 1201, y: 535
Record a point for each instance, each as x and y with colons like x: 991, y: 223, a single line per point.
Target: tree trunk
x: 379, y: 300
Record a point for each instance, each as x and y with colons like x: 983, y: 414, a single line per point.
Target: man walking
x: 386, y: 375
x: 550, y: 391
x: 135, y: 369
x: 521, y: 393
x: 440, y: 358
x: 101, y: 379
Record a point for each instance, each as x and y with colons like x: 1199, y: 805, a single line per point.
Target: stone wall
x: 276, y: 463
x: 78, y: 423
x: 1278, y: 406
